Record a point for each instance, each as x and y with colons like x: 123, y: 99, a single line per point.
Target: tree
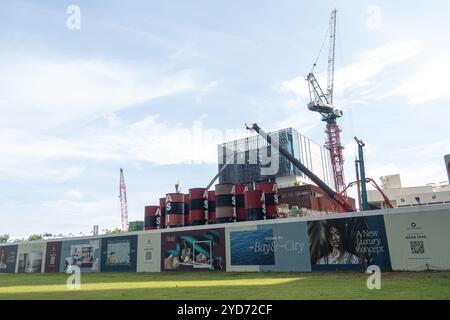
x: 4, y: 238
x: 35, y: 237
x: 116, y: 230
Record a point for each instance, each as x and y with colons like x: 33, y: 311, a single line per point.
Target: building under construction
x: 248, y: 158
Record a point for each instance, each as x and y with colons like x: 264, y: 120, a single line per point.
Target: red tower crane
x: 123, y: 201
x: 323, y: 103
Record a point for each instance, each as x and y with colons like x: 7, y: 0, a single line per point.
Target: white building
x: 409, y: 196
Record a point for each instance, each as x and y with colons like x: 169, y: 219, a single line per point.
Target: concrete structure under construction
x: 255, y: 161
x: 409, y: 196
x: 308, y: 197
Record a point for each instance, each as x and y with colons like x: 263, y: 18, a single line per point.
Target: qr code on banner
x: 417, y: 247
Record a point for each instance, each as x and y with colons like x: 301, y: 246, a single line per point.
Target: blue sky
x: 153, y: 87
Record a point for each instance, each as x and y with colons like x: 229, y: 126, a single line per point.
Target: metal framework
x: 387, y: 202
x: 338, y: 198
x: 123, y: 201
x: 333, y: 144
x: 323, y: 103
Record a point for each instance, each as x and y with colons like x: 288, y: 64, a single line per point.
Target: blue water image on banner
x: 290, y: 247
x: 252, y: 247
x: 119, y: 254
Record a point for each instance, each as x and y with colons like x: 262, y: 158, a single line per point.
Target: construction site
x: 279, y: 202
x: 309, y: 178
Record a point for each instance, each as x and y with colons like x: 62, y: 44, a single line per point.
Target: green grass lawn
x: 236, y: 286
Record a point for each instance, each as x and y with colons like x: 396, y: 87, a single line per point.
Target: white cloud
x: 355, y: 84
x: 39, y: 92
x: 372, y: 63
x: 205, y: 90
x: 74, y: 194
x: 298, y: 86
x: 356, y: 80
x: 429, y: 83
x: 373, y: 18
x: 428, y: 151
x: 304, y: 122
x: 429, y: 169
x: 151, y: 139
x: 60, y: 216
x: 39, y: 95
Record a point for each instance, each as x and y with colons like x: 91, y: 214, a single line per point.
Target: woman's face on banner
x: 335, y: 238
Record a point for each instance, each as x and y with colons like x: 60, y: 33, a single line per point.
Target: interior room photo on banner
x: 193, y: 250
x: 82, y: 253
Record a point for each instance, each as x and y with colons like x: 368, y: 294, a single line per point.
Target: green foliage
x: 35, y: 237
x: 116, y: 230
x: 295, y: 210
x: 4, y: 238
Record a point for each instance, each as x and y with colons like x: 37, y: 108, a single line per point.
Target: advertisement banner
x: 348, y: 244
x: 31, y: 257
x: 8, y: 258
x: 82, y: 253
x: 235, y: 252
x: 419, y: 241
x: 119, y: 254
x: 252, y: 247
x: 281, y: 247
x: 149, y: 252
x: 52, y: 257
x: 193, y: 250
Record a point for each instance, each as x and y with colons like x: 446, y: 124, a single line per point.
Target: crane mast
x: 123, y: 201
x: 323, y: 103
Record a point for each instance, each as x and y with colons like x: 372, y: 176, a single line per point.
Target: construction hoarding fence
x: 193, y: 250
x: 31, y: 257
x: 419, y: 241
x: 149, y: 252
x: 84, y: 254
x: 119, y: 254
x: 403, y: 239
x: 348, y: 244
x: 281, y: 247
x: 53, y: 256
x: 8, y: 258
